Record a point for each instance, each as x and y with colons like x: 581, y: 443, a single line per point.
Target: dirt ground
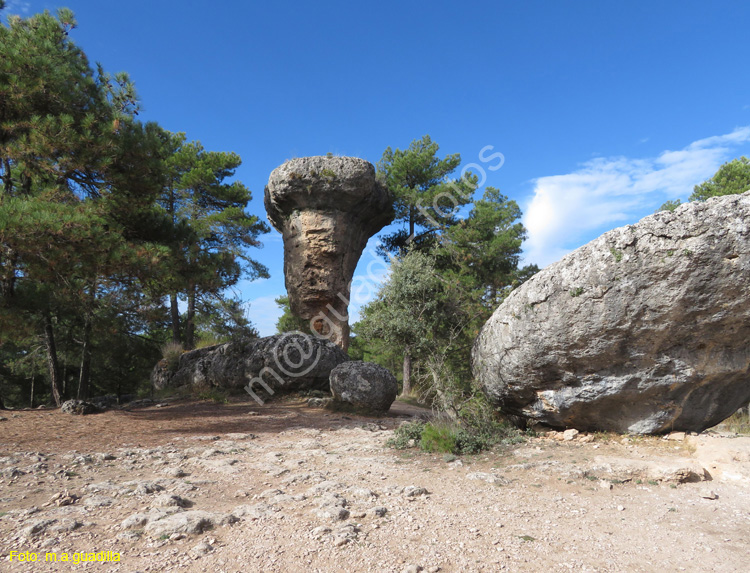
x: 200, y: 486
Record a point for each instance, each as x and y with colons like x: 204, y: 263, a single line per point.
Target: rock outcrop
x: 283, y: 362
x: 642, y: 330
x: 363, y: 386
x: 326, y: 209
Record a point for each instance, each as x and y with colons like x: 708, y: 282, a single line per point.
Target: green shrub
x: 438, y: 438
x: 206, y: 340
x: 456, y: 438
x: 171, y: 353
x: 328, y: 173
x: 405, y: 433
x: 616, y: 254
x: 472, y: 442
x: 739, y: 422
x: 215, y: 394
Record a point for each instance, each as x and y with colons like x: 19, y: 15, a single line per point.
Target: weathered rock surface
x: 364, y: 386
x: 642, y: 330
x: 284, y: 362
x: 79, y: 407
x: 725, y: 459
x: 326, y: 208
x: 190, y: 522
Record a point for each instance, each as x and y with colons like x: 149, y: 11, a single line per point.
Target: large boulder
x: 643, y: 330
x: 326, y: 208
x: 283, y: 362
x: 363, y: 386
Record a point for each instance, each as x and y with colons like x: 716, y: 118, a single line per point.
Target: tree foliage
x: 445, y: 281
x: 216, y: 231
x: 483, y: 250
x: 88, y: 249
x: 670, y: 205
x: 732, y: 178
x: 288, y: 321
x: 425, y: 198
x: 406, y: 311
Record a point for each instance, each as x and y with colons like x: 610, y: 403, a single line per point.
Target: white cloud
x: 565, y: 210
x: 17, y: 7
x: 264, y: 312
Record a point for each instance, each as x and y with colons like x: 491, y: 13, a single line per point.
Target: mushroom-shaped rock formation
x: 326, y: 209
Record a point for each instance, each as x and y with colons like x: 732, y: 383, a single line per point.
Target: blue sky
x: 602, y: 110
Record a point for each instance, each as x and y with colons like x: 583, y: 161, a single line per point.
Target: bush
x: 171, y: 353
x: 453, y: 438
x: 438, y: 438
x: 472, y: 442
x: 206, y: 340
x: 739, y: 422
x: 405, y: 433
x: 215, y: 394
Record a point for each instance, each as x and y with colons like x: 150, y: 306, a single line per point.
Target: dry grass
x: 739, y: 423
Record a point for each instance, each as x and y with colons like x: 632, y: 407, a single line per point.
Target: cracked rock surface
x: 363, y: 385
x: 643, y: 330
x: 278, y: 363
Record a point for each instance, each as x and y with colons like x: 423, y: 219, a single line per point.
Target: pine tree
x: 77, y: 203
x: 212, y: 253
x: 732, y: 177
x: 426, y: 199
x: 483, y: 251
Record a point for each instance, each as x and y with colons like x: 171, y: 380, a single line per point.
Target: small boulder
x: 78, y: 407
x: 364, y: 386
x: 570, y: 435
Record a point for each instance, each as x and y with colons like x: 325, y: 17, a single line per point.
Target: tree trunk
x: 31, y: 398
x: 189, y: 318
x: 7, y: 179
x: 8, y: 279
x: 54, y: 370
x: 85, y: 373
x: 412, y: 216
x: 63, y: 369
x: 407, y: 372
x: 174, y: 311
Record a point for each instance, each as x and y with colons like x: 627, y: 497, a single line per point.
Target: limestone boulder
x: 279, y: 363
x: 642, y: 330
x: 79, y: 407
x: 363, y: 386
x: 326, y: 208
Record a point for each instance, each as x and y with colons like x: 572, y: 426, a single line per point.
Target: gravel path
x: 290, y: 488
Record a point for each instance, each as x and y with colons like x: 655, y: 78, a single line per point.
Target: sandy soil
x: 198, y: 486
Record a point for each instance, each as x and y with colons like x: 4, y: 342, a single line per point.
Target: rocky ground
x: 198, y: 486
